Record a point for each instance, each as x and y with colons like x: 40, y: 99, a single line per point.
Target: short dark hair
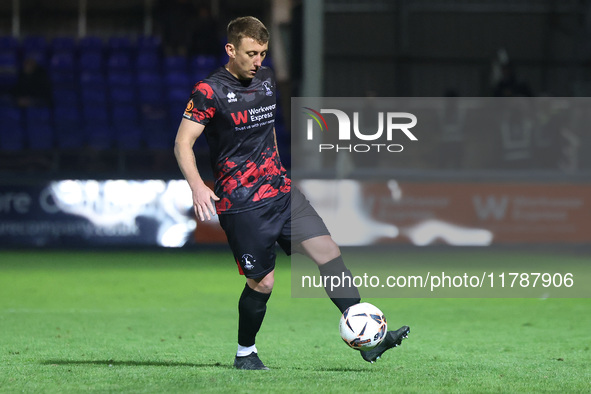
x: 247, y: 26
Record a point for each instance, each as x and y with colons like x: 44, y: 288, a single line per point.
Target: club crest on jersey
x: 247, y: 261
x: 189, y: 107
x: 267, y: 86
x: 231, y: 97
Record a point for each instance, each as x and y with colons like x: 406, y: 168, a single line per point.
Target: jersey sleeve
x: 201, y: 105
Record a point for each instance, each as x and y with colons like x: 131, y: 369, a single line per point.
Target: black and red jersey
x: 239, y: 120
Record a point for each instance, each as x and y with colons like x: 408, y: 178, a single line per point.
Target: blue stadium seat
x: 156, y: 125
x: 63, y: 79
x: 91, y: 61
x: 66, y: 97
x: 150, y: 94
x: 150, y: 87
x: 99, y: 136
x: 200, y: 75
x: 90, y: 43
x: 175, y: 64
x: 122, y: 95
x: 128, y: 134
x: 39, y: 128
x: 149, y: 78
x: 34, y: 42
x: 148, y: 61
x: 94, y: 95
x: 62, y: 70
x: 120, y: 78
x: 62, y: 61
x: 119, y: 44
x: 119, y: 61
x: 178, y: 80
x: 204, y: 63
x: 97, y: 129
x: 69, y: 134
x: 9, y: 69
x: 9, y: 44
x: 35, y: 47
x: 12, y: 135
x: 92, y: 79
x: 95, y: 113
x: 63, y: 44
x: 178, y: 97
x: 149, y: 43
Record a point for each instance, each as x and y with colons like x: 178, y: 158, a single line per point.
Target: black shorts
x: 252, y: 234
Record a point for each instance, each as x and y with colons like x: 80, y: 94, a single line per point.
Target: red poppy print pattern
x: 262, y: 181
x: 193, y: 111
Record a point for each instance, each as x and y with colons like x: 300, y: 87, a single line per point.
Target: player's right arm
x: 187, y: 134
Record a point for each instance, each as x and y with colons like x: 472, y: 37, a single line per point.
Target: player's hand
x: 203, y: 198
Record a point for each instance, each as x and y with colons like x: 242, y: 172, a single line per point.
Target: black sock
x: 346, y: 294
x: 251, y: 312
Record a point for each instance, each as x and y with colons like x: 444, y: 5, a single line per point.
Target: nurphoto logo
x: 389, y: 124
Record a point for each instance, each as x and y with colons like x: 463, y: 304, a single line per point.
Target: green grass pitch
x: 165, y: 321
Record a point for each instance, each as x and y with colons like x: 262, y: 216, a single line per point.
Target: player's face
x: 246, y: 59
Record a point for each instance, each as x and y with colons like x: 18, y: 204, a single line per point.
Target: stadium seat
x: 156, y: 125
x: 39, y: 128
x: 178, y: 97
x: 91, y: 61
x: 204, y: 63
x: 128, y: 135
x: 63, y: 79
x: 148, y: 78
x: 9, y: 69
x: 92, y: 79
x: 148, y: 61
x: 97, y: 129
x: 120, y: 78
x: 62, y: 62
x: 174, y: 64
x: 35, y: 47
x: 62, y: 70
x: 178, y: 80
x: 63, y: 44
x: 95, y: 113
x: 66, y: 97
x: 150, y: 87
x: 12, y: 135
x: 148, y: 43
x: 9, y: 44
x: 94, y: 95
x: 99, y: 135
x: 69, y: 134
x: 119, y: 61
x: 118, y: 44
x: 200, y: 75
x: 177, y: 93
x: 90, y: 43
x: 150, y: 94
x: 122, y: 95
x: 34, y: 43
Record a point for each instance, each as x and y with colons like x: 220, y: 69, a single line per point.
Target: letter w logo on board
x: 491, y: 207
x: 240, y: 117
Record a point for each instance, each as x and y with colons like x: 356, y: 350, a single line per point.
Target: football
x: 363, y: 326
